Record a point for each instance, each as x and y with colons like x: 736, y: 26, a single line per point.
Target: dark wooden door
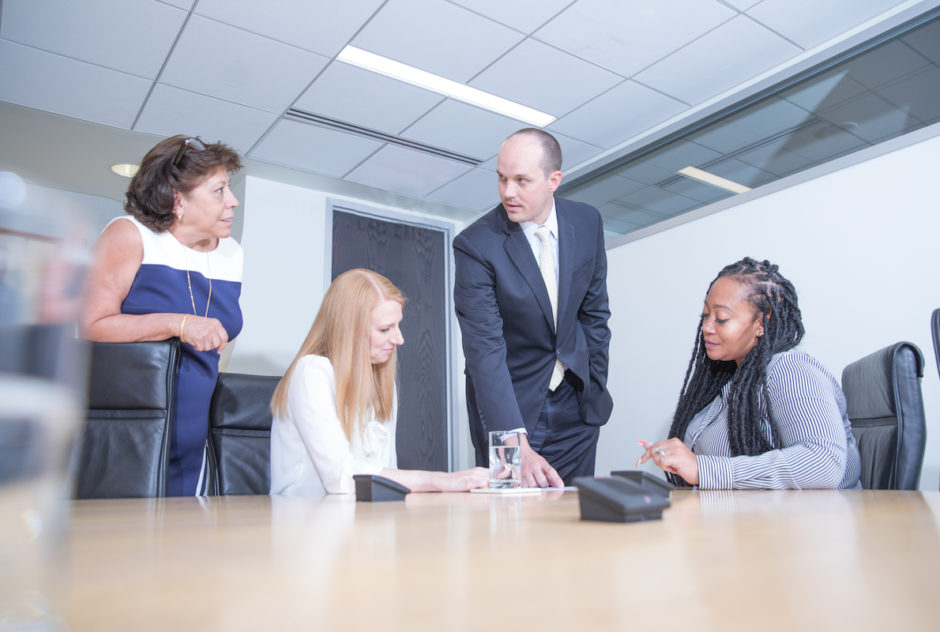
x: 414, y: 259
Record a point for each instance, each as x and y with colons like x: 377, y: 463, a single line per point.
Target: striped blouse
x: 818, y: 448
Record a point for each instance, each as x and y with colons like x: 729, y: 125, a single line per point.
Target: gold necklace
x: 190, y: 285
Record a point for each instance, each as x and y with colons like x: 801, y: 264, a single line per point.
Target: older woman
x: 754, y: 412
x: 171, y: 269
x: 335, y: 409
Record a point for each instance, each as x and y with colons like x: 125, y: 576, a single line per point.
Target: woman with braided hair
x: 754, y: 412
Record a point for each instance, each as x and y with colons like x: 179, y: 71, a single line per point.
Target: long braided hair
x: 774, y: 300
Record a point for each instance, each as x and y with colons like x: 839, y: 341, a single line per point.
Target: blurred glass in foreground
x: 43, y: 257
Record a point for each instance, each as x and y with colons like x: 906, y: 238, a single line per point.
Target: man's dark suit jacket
x: 505, y: 316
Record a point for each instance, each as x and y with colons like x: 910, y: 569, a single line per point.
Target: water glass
x: 505, y: 459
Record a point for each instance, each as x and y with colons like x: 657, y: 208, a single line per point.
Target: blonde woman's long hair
x: 341, y: 333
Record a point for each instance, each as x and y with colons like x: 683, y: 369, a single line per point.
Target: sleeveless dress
x: 160, y: 286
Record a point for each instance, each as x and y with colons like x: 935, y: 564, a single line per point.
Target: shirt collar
x: 551, y: 221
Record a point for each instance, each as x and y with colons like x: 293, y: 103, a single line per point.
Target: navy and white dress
x: 161, y: 286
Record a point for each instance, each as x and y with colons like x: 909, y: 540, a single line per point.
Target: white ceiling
x: 609, y: 70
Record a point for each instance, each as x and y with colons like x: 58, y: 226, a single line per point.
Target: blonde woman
x: 335, y: 409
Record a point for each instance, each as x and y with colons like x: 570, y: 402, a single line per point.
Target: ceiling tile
x: 823, y: 141
x: 406, y: 171
x: 774, y: 158
x: 724, y: 138
x: 463, y: 129
x: 573, y: 151
x: 657, y: 200
x: 182, y: 4
x: 741, y: 172
x: 919, y: 94
x: 532, y: 73
x: 633, y: 215
x: 321, y: 26
x: 50, y: 82
x: 871, y: 118
x: 742, y: 5
x: 436, y: 36
x: 522, y: 15
x: 686, y: 187
x: 644, y: 171
x: 367, y: 99
x: 926, y: 41
x: 612, y: 221
x: 626, y: 41
x: 475, y: 190
x: 172, y: 111
x: 714, y: 63
x: 885, y: 64
x: 603, y: 190
x: 825, y: 91
x: 680, y: 154
x: 254, y: 70
x: 133, y: 36
x: 772, y: 116
x: 829, y: 17
x: 620, y: 113
x: 316, y: 149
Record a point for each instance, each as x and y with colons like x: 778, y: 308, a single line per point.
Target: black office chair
x: 886, y: 407
x: 124, y: 450
x: 935, y: 331
x: 49, y: 351
x: 42, y: 354
x: 240, y: 434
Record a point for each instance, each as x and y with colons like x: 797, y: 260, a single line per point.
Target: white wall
x: 859, y: 244
x: 284, y: 240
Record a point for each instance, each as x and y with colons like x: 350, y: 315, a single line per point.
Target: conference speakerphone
x: 373, y: 488
x: 620, y: 499
x: 646, y: 480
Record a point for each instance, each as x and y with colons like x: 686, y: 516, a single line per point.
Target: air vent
x: 323, y: 121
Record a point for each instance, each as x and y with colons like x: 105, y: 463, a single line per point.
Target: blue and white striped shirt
x: 818, y: 448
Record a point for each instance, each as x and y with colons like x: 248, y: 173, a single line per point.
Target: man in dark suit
x: 531, y: 299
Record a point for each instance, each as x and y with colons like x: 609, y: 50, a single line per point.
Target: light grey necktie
x: 547, y: 268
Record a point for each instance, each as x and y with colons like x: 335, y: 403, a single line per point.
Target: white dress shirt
x: 310, y: 455
x: 529, y: 229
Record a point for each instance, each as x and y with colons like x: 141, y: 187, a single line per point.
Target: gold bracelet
x: 183, y: 322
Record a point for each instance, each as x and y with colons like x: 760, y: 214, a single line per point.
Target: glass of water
x: 505, y: 459
x: 42, y: 393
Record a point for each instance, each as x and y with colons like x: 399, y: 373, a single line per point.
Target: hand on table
x: 536, y: 472
x: 463, y: 480
x: 672, y: 456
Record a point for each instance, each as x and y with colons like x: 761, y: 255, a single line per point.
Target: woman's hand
x: 203, y: 333
x: 672, y: 456
x: 464, y: 480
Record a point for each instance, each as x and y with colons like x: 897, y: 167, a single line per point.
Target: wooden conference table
x: 808, y: 560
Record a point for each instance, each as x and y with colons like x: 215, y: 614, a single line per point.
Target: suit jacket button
x: 543, y: 390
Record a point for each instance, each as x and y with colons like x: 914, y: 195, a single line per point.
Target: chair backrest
x: 125, y: 447
x: 885, y: 404
x: 935, y: 331
x: 240, y: 433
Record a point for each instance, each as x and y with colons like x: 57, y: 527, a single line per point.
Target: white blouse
x: 310, y: 455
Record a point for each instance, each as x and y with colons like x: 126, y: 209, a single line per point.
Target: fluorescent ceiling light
x: 452, y: 89
x: 713, y: 180
x: 124, y: 169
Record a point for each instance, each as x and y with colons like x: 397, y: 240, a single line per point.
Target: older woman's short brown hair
x: 174, y: 164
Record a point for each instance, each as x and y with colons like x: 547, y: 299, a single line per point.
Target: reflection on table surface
x: 728, y: 560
